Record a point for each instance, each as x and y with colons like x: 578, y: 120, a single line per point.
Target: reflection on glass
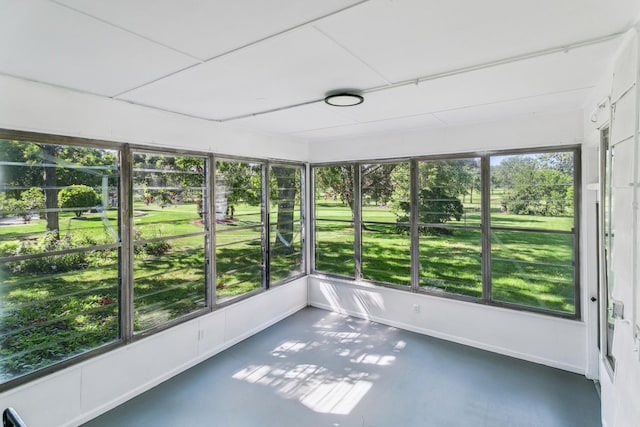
x: 286, y: 214
x: 533, y: 269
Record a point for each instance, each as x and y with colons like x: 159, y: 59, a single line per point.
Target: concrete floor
x: 318, y: 368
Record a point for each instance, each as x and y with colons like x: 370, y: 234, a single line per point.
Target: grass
x: 529, y: 268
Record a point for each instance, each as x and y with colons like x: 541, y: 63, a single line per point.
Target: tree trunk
x: 50, y: 189
x: 286, y: 181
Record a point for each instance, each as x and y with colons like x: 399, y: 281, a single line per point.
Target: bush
x: 31, y: 201
x: 49, y: 242
x: 78, y: 197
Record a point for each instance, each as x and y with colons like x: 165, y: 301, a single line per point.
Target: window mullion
x: 414, y: 229
x: 210, y: 249
x: 357, y: 220
x: 485, y: 224
x: 126, y: 251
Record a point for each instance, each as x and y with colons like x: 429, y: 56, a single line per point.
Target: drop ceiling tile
x: 406, y: 39
x: 304, y: 118
x: 537, y: 105
x: 296, y: 67
x: 559, y: 72
x: 46, y: 42
x: 206, y: 29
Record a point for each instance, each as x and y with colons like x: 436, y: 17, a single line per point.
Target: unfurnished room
x: 319, y: 213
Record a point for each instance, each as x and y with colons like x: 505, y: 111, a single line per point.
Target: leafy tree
x: 337, y: 181
x: 78, y: 197
x: 241, y: 183
x: 540, y: 184
x: 442, y: 183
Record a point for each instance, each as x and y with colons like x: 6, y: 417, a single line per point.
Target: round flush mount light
x: 344, y: 99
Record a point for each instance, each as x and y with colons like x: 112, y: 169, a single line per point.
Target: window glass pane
x: 334, y: 248
x: 239, y: 228
x: 386, y: 241
x: 533, y: 269
x: 533, y: 191
x: 169, y: 280
x: 50, y: 188
x: 58, y: 294
x: 451, y: 261
x: 169, y: 193
x: 386, y: 254
x: 449, y: 192
x: 56, y: 307
x: 334, y: 232
x: 285, y: 216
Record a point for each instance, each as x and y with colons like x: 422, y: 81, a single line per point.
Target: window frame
x: 125, y: 244
x: 485, y: 226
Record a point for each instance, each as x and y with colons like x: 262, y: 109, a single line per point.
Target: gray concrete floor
x: 318, y: 368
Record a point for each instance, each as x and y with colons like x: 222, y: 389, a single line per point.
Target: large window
x: 59, y: 253
x: 170, y: 237
x: 102, y: 244
x: 499, y: 229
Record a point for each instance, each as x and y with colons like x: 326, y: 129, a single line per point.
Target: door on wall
x: 607, y: 324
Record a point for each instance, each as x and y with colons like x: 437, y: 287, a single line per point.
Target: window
x: 499, y: 229
x: 102, y: 243
x: 59, y: 253
x: 533, y: 240
x: 240, y: 231
x: 386, y: 231
x: 334, y: 220
x: 449, y: 195
x: 170, y: 237
x: 286, y: 223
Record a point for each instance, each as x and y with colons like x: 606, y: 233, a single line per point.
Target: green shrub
x: 78, y: 197
x: 31, y: 201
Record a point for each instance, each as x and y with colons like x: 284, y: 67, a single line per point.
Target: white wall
x: 37, y: 107
x: 621, y: 391
x: 83, y: 391
x: 532, y: 131
x: 542, y: 339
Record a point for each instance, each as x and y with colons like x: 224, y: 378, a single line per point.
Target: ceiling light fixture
x: 344, y: 99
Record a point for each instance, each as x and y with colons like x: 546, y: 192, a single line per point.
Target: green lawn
x: 529, y: 267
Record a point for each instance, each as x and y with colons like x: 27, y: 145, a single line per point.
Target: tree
x: 442, y: 183
x: 78, y: 197
x: 336, y: 180
x: 536, y: 184
x: 241, y: 183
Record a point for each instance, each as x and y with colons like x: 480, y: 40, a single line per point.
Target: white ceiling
x: 267, y: 64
